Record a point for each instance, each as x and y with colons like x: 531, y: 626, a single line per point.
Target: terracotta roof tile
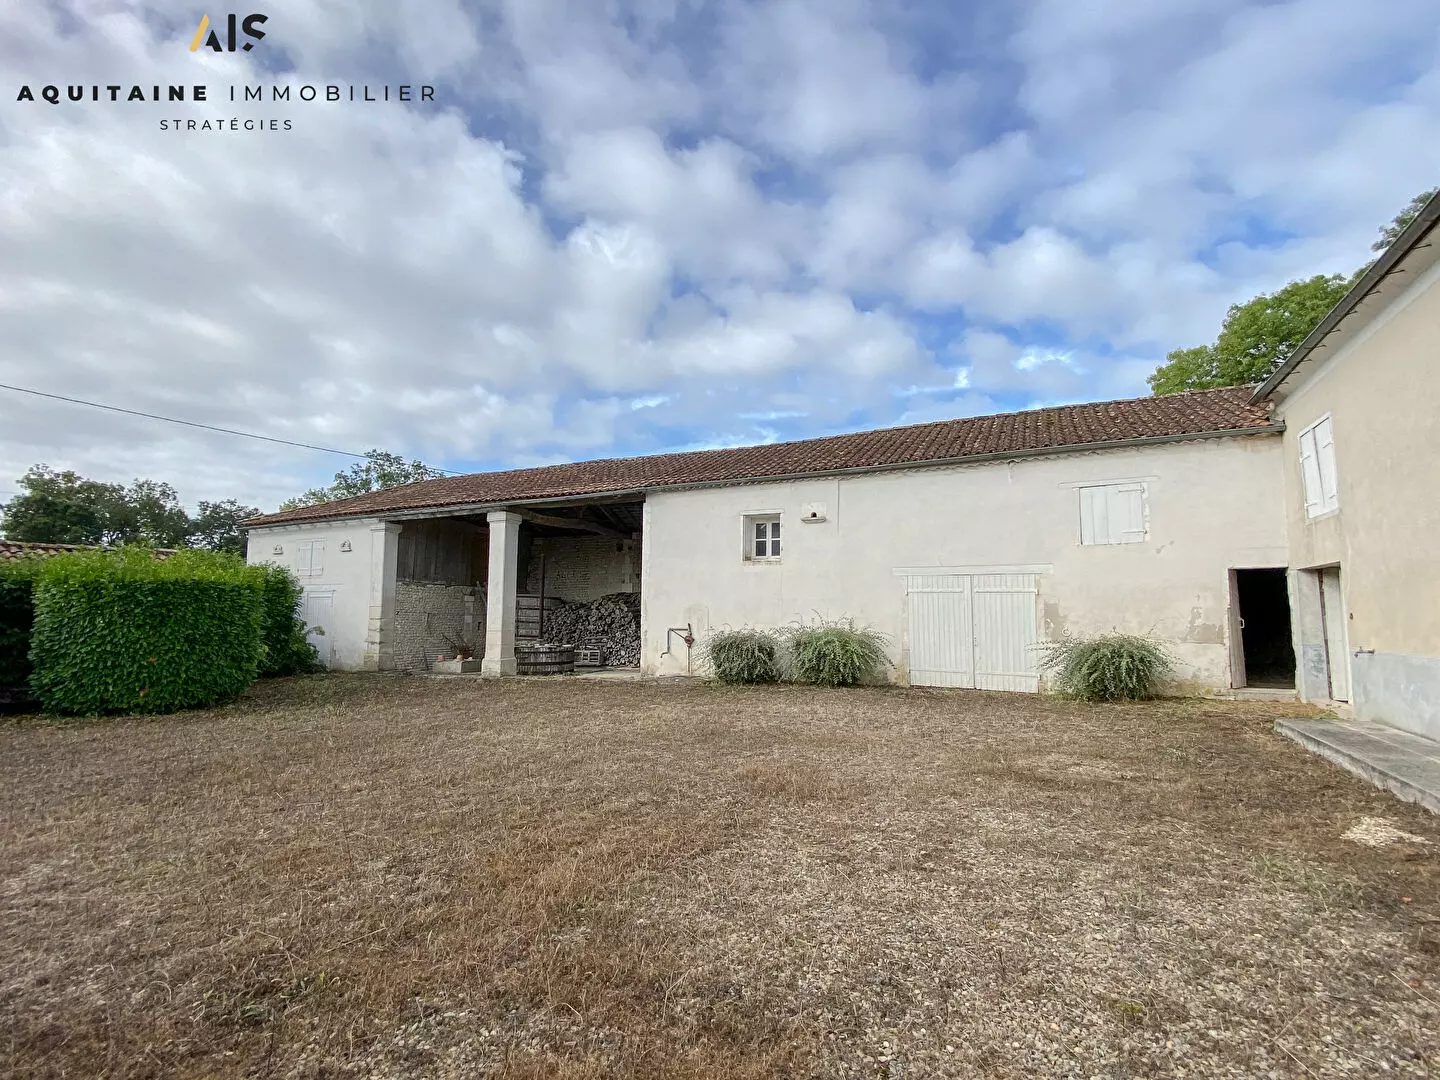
x: 16, y: 549
x: 1065, y: 427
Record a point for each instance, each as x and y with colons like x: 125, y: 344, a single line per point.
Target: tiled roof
x: 1065, y: 427
x: 16, y: 549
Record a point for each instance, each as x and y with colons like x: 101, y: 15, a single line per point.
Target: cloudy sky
x: 626, y: 228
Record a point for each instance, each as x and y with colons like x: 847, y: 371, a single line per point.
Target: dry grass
x: 371, y: 876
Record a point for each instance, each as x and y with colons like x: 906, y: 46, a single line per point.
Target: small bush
x: 743, y: 656
x: 17, y: 617
x: 1112, y: 667
x: 287, y: 652
x: 836, y: 654
x: 123, y: 632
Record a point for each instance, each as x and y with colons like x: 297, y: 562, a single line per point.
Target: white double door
x: 973, y: 630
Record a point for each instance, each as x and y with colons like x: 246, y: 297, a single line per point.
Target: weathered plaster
x: 1174, y: 587
x: 1402, y: 691
x: 1379, y: 389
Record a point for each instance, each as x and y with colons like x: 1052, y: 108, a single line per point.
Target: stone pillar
x: 500, y: 588
x: 380, y: 632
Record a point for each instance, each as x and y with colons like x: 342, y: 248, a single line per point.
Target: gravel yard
x: 369, y: 876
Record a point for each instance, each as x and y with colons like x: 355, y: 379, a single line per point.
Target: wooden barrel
x: 544, y: 659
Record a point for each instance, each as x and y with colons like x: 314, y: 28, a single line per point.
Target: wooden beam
x: 571, y: 523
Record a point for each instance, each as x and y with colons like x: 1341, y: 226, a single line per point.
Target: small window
x: 762, y: 536
x: 310, y: 558
x: 1113, y: 514
x: 1317, y: 468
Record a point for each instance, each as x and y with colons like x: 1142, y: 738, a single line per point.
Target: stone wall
x: 428, y: 614
x: 584, y: 568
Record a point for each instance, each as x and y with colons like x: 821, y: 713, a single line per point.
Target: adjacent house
x: 1362, y: 489
x: 964, y: 541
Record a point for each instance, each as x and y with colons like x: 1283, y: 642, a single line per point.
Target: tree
x: 1254, y: 339
x: 61, y: 508
x: 149, y: 513
x: 1390, y: 233
x: 217, y: 525
x: 1257, y: 336
x: 66, y: 508
x: 381, y: 469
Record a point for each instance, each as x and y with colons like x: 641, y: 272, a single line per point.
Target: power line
x: 196, y: 424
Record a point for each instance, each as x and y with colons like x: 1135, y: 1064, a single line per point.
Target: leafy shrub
x: 123, y: 632
x: 836, y: 654
x: 743, y: 656
x: 287, y: 652
x: 1112, y: 667
x: 17, y: 616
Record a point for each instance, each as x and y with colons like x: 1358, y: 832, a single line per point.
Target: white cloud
x: 624, y: 222
x: 701, y: 203
x: 813, y: 79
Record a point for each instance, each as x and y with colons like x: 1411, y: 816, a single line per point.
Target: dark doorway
x: 1265, y: 628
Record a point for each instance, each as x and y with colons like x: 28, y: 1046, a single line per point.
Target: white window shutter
x: 1092, y: 516
x: 1325, y: 460
x: 302, y: 559
x: 1128, y: 513
x: 1113, y: 514
x: 1310, y: 474
x: 317, y: 558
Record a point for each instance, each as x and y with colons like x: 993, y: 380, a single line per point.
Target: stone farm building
x: 964, y: 541
x: 1280, y: 536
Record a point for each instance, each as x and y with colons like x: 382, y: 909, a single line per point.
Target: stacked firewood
x: 612, y: 623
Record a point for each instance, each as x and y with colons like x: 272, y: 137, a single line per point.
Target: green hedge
x: 124, y: 632
x: 287, y: 652
x: 17, y: 616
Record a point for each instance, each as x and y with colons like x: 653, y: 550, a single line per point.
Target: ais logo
x: 250, y: 27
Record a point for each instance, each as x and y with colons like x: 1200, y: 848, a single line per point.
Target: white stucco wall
x: 1380, y: 391
x: 1214, y: 505
x: 347, y: 575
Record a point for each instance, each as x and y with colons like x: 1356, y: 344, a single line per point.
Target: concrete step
x: 1257, y: 693
x: 1404, y: 764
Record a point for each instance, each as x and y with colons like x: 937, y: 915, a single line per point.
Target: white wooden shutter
x: 317, y: 558
x: 1112, y: 514
x: 1325, y: 460
x: 1127, y: 513
x: 1310, y: 474
x: 1094, y: 518
x: 302, y: 559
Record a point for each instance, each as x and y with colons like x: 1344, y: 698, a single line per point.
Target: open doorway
x: 1261, y: 606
